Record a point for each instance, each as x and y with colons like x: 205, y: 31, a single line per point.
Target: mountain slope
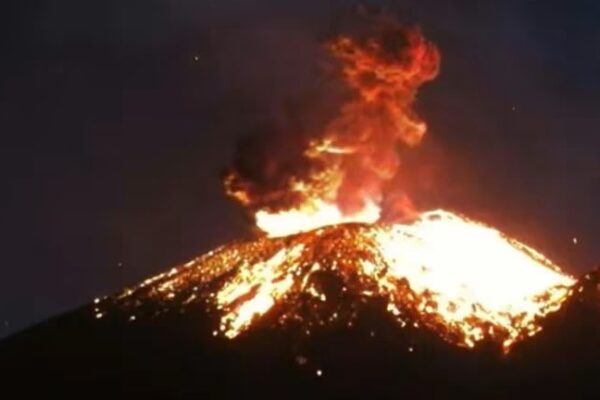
x: 175, y: 354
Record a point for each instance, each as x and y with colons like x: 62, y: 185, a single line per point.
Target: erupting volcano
x: 339, y: 229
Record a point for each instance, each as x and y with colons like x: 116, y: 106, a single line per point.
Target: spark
x: 301, y: 360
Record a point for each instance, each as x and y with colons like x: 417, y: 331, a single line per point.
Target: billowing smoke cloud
x: 349, y: 162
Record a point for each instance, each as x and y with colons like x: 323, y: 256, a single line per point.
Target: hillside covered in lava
x: 175, y: 354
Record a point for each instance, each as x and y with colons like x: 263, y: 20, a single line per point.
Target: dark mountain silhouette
x: 175, y: 355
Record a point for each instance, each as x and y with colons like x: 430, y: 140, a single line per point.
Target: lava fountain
x: 320, y: 210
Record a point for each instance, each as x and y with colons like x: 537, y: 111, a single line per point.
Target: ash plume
x: 349, y: 162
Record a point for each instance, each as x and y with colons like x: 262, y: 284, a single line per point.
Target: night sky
x: 117, y: 118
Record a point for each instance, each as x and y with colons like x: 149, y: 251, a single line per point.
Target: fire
x: 343, y: 174
x: 312, y: 215
x: 326, y: 246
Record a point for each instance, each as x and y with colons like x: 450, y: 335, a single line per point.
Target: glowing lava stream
x: 466, y: 281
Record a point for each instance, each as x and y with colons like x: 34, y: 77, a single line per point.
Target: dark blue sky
x: 113, y: 134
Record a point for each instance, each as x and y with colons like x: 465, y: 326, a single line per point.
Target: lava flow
x: 326, y: 246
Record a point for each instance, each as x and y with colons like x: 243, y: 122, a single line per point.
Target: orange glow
x: 340, y: 175
x: 466, y: 281
x: 312, y: 216
x: 475, y: 278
